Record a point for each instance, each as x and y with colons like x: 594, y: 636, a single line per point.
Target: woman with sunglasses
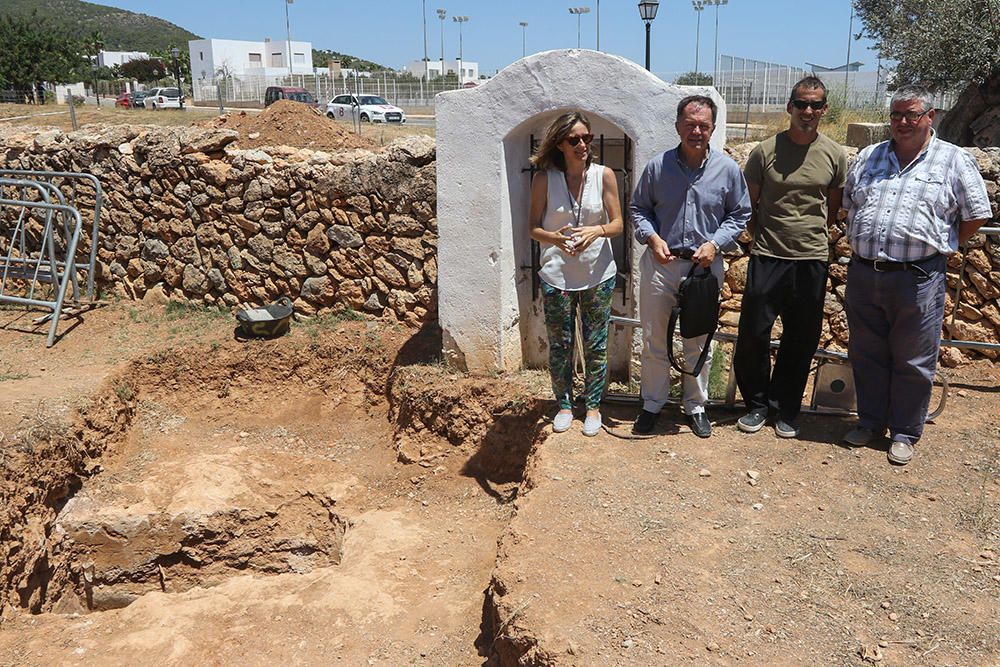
x: 574, y: 214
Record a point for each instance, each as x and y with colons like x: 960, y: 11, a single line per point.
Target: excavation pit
x: 322, y: 490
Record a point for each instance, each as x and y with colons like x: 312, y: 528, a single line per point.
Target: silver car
x: 163, y: 98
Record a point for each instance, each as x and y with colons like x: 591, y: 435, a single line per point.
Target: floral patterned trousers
x: 594, y: 305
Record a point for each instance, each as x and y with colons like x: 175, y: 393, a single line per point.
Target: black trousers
x: 795, y: 290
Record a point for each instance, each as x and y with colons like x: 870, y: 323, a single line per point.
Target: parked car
x: 372, y: 109
x: 163, y: 98
x: 275, y: 93
x: 124, y: 100
x: 138, y: 97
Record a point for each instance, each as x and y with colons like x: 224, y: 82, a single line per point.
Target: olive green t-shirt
x: 792, y: 209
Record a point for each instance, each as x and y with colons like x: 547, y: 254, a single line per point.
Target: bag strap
x: 675, y: 314
x: 671, y: 327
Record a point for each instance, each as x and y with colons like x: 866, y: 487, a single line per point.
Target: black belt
x: 881, y: 265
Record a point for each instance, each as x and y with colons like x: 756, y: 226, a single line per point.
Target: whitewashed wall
x: 485, y: 303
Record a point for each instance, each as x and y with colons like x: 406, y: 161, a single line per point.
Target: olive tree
x: 939, y: 43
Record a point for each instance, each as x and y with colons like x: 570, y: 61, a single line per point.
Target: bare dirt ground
x: 337, y: 496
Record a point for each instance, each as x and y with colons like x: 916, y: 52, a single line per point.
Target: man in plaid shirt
x: 910, y: 202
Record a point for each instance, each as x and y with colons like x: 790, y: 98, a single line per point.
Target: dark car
x: 137, y: 98
x: 275, y: 93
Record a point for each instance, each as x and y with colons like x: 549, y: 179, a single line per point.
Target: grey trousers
x: 658, y: 284
x: 895, y: 320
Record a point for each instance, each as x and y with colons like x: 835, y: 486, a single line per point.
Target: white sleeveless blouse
x: 597, y: 263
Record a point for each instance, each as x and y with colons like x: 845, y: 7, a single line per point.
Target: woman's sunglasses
x: 801, y: 105
x: 573, y: 141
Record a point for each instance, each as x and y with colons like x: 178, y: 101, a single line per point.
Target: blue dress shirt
x: 688, y: 207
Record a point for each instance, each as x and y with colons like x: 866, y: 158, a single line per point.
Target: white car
x: 372, y: 109
x: 163, y: 98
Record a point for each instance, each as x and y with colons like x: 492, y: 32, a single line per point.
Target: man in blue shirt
x: 689, y: 205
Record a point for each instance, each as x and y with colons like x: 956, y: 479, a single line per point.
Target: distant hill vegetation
x: 121, y: 30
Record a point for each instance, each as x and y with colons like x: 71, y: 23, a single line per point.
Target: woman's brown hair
x: 548, y: 155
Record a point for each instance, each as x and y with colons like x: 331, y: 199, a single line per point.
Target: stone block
x: 860, y: 135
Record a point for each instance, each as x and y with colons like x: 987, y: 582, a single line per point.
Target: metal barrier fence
x: 35, y: 257
x: 68, y: 185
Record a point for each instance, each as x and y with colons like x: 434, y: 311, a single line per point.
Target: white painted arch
x: 482, y: 193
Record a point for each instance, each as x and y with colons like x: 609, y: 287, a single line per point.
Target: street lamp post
x: 715, y: 75
x: 699, y: 7
x: 461, y: 62
x: 647, y: 11
x: 441, y: 15
x: 524, y: 27
x: 175, y: 53
x: 423, y: 16
x: 598, y: 25
x: 288, y: 34
x: 579, y: 11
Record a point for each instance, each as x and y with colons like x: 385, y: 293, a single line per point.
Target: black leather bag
x: 697, y: 309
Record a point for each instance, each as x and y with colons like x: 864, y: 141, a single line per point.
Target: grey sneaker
x: 562, y: 421
x: 592, y: 425
x: 784, y: 429
x: 900, y: 453
x: 752, y: 421
x: 860, y: 436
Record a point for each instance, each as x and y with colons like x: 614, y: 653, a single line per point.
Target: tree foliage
x: 34, y: 51
x: 940, y: 44
x: 122, y: 30
x: 320, y: 58
x: 694, y: 79
x: 144, y: 69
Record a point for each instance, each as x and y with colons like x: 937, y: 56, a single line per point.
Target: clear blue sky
x: 390, y: 32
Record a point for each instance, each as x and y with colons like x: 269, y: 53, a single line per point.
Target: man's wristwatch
x: 717, y: 247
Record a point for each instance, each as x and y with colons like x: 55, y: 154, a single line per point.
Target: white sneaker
x: 592, y: 424
x: 900, y: 453
x: 562, y: 421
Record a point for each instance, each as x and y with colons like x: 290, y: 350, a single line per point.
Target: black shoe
x: 700, y: 424
x: 753, y: 421
x: 645, y: 422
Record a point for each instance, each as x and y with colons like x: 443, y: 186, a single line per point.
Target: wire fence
x: 401, y: 90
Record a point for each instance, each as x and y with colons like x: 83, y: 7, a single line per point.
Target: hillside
x: 122, y: 30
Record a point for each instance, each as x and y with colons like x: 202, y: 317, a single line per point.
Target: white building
x: 466, y: 70
x: 239, y: 58
x: 112, y: 58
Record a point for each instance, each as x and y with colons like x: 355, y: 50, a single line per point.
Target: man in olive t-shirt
x: 795, y: 181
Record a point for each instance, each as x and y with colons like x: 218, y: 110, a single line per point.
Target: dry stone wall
x: 187, y: 216
x: 978, y: 314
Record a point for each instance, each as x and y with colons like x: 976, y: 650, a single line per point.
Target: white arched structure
x: 489, y: 319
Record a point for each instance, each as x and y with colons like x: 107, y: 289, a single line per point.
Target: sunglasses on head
x: 816, y: 105
x: 586, y: 138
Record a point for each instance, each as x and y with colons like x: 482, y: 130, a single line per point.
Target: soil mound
x: 288, y: 123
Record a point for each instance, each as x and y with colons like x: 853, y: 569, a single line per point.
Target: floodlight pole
x: 288, y: 31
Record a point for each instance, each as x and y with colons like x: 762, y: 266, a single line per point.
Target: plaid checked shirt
x: 904, y: 215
